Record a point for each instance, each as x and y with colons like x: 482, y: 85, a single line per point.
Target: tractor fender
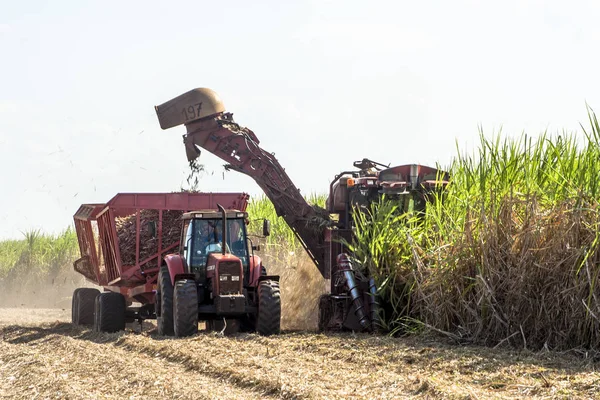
x: 255, y: 271
x: 268, y: 278
x: 177, y: 267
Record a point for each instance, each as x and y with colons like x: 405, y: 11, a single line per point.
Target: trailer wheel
x: 110, y: 312
x: 185, y: 308
x: 268, y: 321
x: 82, y: 306
x: 164, y: 303
x: 74, y: 306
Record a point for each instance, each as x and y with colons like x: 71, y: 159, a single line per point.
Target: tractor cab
x: 203, y: 245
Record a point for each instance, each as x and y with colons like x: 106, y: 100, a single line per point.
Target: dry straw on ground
x: 55, y: 360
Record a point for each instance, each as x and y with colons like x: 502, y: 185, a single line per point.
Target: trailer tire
x: 185, y: 308
x: 164, y: 303
x: 268, y: 321
x: 82, y: 306
x: 74, y: 306
x: 110, y: 312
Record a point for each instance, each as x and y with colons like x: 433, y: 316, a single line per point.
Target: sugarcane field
x: 301, y: 200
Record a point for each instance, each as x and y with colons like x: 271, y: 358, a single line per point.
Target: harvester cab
x: 408, y: 185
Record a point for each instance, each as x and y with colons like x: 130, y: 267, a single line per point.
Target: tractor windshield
x: 205, y: 236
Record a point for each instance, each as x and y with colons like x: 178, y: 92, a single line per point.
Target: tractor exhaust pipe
x: 346, y: 267
x: 224, y: 230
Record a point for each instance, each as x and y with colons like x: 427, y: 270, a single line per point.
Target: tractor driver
x: 209, y: 239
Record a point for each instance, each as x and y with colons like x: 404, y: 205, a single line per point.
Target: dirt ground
x: 43, y: 356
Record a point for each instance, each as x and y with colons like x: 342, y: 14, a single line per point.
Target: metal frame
x: 101, y: 261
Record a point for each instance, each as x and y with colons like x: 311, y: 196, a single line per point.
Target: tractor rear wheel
x: 109, y: 312
x: 163, y: 303
x: 82, y: 306
x: 268, y: 321
x: 185, y: 308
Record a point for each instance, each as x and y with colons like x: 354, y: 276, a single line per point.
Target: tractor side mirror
x: 266, y: 227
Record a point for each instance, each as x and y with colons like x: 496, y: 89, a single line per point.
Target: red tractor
x: 351, y: 303
x: 180, y: 258
x: 225, y: 285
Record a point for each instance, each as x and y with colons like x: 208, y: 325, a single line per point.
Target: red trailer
x: 124, y: 242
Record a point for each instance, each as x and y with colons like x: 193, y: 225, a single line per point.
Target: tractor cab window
x: 207, y: 237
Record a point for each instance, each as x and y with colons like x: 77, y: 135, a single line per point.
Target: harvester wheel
x: 110, y: 312
x: 82, y: 306
x: 164, y: 303
x: 185, y: 308
x: 325, y: 312
x: 268, y: 321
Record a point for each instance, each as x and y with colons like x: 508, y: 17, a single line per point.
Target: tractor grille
x: 230, y: 278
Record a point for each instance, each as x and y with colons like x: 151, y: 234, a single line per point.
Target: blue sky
x: 321, y: 83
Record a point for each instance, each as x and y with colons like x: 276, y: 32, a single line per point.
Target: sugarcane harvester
x: 351, y: 302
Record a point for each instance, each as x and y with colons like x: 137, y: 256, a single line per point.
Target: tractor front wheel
x: 109, y: 312
x: 185, y: 308
x: 268, y: 321
x: 163, y: 303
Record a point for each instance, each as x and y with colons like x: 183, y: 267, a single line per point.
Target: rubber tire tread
x: 164, y: 323
x: 268, y: 321
x: 74, y: 305
x: 325, y: 313
x: 83, y: 312
x: 185, y: 308
x: 110, y: 312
